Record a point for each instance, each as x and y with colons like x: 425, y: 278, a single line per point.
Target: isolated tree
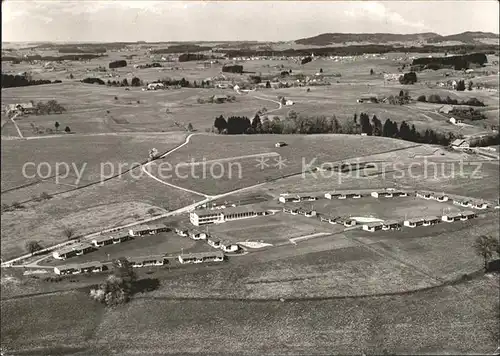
x: 71, y: 76
x: 355, y: 119
x: 33, y: 246
x: 45, y: 196
x: 268, y: 84
x: 67, y: 129
x: 371, y: 71
x: 57, y: 125
x: 469, y: 87
x: 460, y: 85
x: 484, y: 246
x: 190, y: 127
x: 125, y: 82
x: 321, y: 70
x: 68, y: 232
x: 116, y: 98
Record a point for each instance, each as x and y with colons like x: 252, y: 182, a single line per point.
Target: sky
x: 127, y: 20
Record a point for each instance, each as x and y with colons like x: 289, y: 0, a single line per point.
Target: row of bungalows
x: 104, y: 240
x: 461, y: 216
x: 297, y: 198
x: 422, y: 221
x: 344, y: 195
x: 148, y: 261
x: 389, y: 193
x: 432, y: 196
x: 152, y: 229
x: 201, y: 257
x: 480, y: 205
x: 306, y: 213
x: 88, y: 267
x: 76, y: 249
x: 382, y: 225
x: 206, y: 216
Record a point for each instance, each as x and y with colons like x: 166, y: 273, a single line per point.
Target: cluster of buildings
x: 419, y: 221
x: 347, y: 194
x: 138, y: 262
x: 466, y: 203
x: 82, y: 248
x: 225, y: 246
x: 306, y: 213
x: 207, y: 216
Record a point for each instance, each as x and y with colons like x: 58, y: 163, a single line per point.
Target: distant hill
x: 327, y: 39
x: 466, y: 37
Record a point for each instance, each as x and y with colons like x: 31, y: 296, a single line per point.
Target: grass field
x: 300, y: 152
x: 93, y: 154
x: 270, y: 229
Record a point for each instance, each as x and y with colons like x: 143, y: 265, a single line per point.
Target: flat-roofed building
x: 372, y: 227
x: 431, y: 220
x: 88, y: 267
x: 391, y: 225
x: 451, y: 217
x: 150, y: 229
x: 201, y: 257
x: 104, y: 240
x: 197, y: 235
x: 76, y: 249
x: 147, y: 261
x: 414, y: 222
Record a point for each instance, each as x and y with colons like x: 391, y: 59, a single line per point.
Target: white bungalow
x: 88, y: 267
x: 182, y: 232
x: 197, y: 235
x: 451, y: 217
x: 332, y: 195
x: 414, y: 222
x: 464, y: 203
x: 424, y: 195
x: 372, y: 227
x: 441, y: 198
x: 215, y: 243
x: 147, y: 261
x: 431, y: 220
x: 466, y: 215
x: 215, y: 256
x: 391, y: 225
x: 480, y: 205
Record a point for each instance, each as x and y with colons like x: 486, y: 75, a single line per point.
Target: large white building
x: 206, y: 216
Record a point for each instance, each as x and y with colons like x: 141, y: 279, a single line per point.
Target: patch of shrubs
x: 93, y: 81
x: 436, y: 99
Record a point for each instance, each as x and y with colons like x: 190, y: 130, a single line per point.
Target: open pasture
x: 95, y: 154
x: 419, y: 321
x: 301, y: 151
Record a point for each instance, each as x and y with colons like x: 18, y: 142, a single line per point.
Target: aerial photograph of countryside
x: 250, y: 178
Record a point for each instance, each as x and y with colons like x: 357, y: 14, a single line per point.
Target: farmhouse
x: 280, y: 144
x: 460, y: 144
x: 158, y: 260
x: 104, y: 240
x: 454, y: 121
x: 446, y: 109
x: 289, y: 103
x: 216, y: 256
x: 372, y: 227
x: 414, y: 222
x: 77, y: 249
x: 148, y: 229
x: 26, y: 108
x: 431, y: 220
x: 79, y: 268
x: 200, y: 217
x: 451, y: 217
x: 346, y: 222
x: 155, y: 86
x: 368, y: 99
x: 391, y: 225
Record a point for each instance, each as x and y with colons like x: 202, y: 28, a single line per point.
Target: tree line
x: 457, y: 62
x: 13, y: 81
x: 436, y: 99
x: 295, y: 124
